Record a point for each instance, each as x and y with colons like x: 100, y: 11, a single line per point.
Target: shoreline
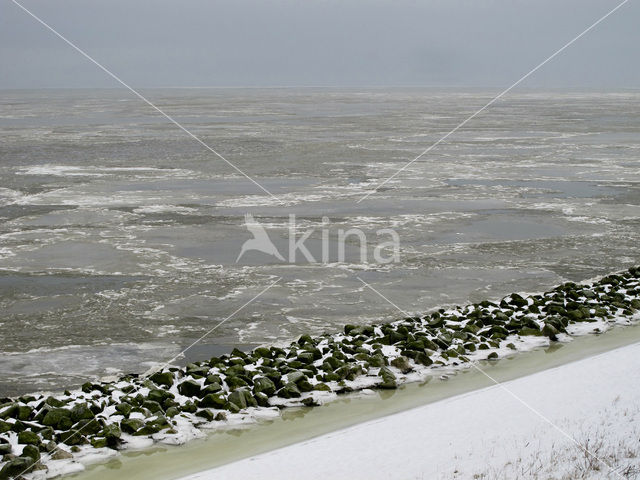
x: 588, y: 404
x: 58, y: 435
x: 225, y: 447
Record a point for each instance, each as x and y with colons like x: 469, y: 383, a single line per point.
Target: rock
x: 153, y: 407
x: 28, y: 438
x: 112, y: 434
x: 5, y: 448
x: 60, y: 454
x: 211, y: 379
x: 81, y: 411
x: 24, y: 412
x: 388, y: 379
x: 550, y: 331
x: 147, y: 429
x: 50, y: 446
x: 213, y: 400
x: 58, y: 418
x: 294, y: 377
x: 234, y: 382
x: 54, y: 402
x: 530, y: 331
x: 492, y: 356
x: 4, y: 426
x: 402, y: 364
x: 131, y: 425
x: 172, y: 412
x: 89, y: 427
x: 262, y: 352
x: 206, y: 414
x: 99, y: 442
x: 289, y: 390
x: 518, y: 300
x: 162, y: 378
x: 423, y: 359
x: 238, y: 398
x: 304, y: 339
x: 16, y: 467
x: 32, y: 452
x: 306, y: 357
x: 262, y: 399
x: 124, y: 408
x: 322, y: 387
x: 159, y: 396
x: 189, y: 388
x: 10, y: 411
x: 264, y: 385
x: 71, y: 437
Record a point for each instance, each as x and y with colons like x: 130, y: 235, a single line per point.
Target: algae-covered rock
x: 264, y: 385
x: 213, y: 400
x: 388, y: 379
x: 112, y: 434
x: 402, y: 364
x: 99, y: 442
x: 530, y: 331
x: 235, y: 382
x: 153, y: 407
x: 550, y: 331
x: 59, y: 418
x: 206, y: 414
x: 28, y: 438
x: 4, y: 426
x: 162, y: 378
x: 71, y: 437
x: 189, y: 388
x: 124, y: 408
x: 16, y: 467
x: 172, y: 412
x: 81, y: 411
x: 131, y: 425
x: 289, y: 390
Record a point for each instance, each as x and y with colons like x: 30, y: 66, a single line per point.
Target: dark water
x: 119, y: 233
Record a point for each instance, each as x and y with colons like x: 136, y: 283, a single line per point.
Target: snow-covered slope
x: 484, y: 434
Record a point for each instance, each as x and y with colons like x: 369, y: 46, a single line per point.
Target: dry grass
x: 605, y: 451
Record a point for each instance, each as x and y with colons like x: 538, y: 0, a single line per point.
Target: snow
x: 489, y: 433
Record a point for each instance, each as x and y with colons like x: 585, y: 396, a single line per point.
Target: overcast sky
x: 156, y: 43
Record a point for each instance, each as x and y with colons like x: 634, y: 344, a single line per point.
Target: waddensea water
x: 119, y: 233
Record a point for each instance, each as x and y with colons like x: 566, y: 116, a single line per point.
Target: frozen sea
x: 119, y: 233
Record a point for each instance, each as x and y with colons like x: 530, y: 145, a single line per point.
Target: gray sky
x: 319, y: 42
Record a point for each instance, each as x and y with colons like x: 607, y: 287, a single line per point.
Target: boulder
x: 289, y: 390
x: 60, y: 454
x: 131, y: 425
x: 81, y: 411
x: 16, y: 467
x: 550, y: 331
x: 112, y: 434
x: 28, y: 438
x: 264, y: 385
x: 206, y: 414
x: 189, y: 388
x: 57, y: 418
x: 402, y: 364
x: 388, y: 379
x: 162, y: 378
x: 212, y: 400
